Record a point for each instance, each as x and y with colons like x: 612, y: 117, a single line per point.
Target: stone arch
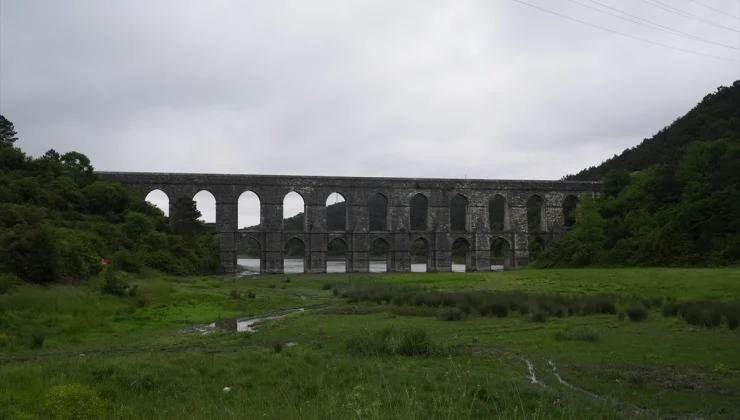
x: 294, y: 250
x: 249, y: 207
x: 462, y: 246
x: 249, y: 254
x: 159, y: 199
x: 498, y: 213
x: 501, y: 254
x: 205, y: 202
x: 536, y: 221
x: 337, y: 251
x: 377, y: 208
x: 378, y: 247
x: 570, y: 203
x: 421, y: 253
x: 419, y: 212
x: 336, y: 212
x: 294, y: 212
x: 459, y: 213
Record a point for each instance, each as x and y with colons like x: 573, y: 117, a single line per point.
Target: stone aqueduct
x: 397, y: 192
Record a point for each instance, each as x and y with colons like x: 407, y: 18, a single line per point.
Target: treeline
x: 59, y: 221
x: 674, y: 200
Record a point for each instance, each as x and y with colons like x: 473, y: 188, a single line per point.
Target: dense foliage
x: 58, y: 222
x: 674, y: 200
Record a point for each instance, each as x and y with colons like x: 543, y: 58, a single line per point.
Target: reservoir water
x: 293, y: 266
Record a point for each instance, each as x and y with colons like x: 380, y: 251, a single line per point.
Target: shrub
x: 637, y: 313
x: 326, y: 286
x: 114, y: 283
x: 453, y: 314
x: 287, y: 280
x: 277, y: 346
x: 577, y: 334
x: 537, y: 315
x: 36, y: 340
x: 127, y: 261
x: 497, y: 309
x: 8, y: 281
x: 733, y: 319
x: 234, y: 294
x: 74, y: 402
x: 251, y: 294
x: 414, y: 342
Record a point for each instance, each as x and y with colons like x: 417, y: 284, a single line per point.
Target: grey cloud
x: 436, y: 88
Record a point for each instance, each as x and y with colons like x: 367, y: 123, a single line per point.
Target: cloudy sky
x: 416, y: 88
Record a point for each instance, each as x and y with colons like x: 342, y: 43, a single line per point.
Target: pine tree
x: 7, y: 132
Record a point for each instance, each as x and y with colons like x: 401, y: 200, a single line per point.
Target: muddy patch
x: 667, y: 378
x: 240, y: 325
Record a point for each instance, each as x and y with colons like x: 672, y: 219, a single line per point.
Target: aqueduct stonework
x: 397, y: 192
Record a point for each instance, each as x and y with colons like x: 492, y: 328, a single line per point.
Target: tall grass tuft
x: 410, y: 342
x: 577, y: 334
x: 637, y: 312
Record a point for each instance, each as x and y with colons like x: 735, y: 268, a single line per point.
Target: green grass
x: 368, y: 360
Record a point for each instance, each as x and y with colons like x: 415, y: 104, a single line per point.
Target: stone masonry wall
x: 271, y: 190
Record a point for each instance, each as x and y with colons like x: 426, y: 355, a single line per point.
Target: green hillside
x: 58, y: 222
x: 673, y: 200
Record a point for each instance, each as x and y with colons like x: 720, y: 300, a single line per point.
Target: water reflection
x: 294, y: 266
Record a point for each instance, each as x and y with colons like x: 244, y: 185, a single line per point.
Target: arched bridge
x: 477, y: 230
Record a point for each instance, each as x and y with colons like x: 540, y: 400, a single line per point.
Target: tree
x: 137, y: 225
x: 7, y: 132
x: 78, y: 167
x: 52, y: 154
x: 185, y: 218
x: 106, y: 197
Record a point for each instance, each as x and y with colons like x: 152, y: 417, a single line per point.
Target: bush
x: 251, y: 294
x: 287, y: 280
x: 577, y: 334
x: 127, y: 261
x: 497, y: 309
x: 74, y: 402
x: 453, y: 314
x: 114, y: 283
x: 326, y: 286
x: 277, y: 346
x: 235, y: 294
x: 537, y: 315
x: 36, y: 340
x: 637, y: 313
x: 706, y: 313
x: 8, y: 281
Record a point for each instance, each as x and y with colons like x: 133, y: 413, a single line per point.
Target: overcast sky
x: 416, y: 88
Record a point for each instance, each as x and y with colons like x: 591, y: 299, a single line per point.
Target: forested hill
x: 60, y: 223
x: 716, y: 116
x: 674, y: 200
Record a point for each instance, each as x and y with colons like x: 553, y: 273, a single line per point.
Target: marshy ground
x: 531, y: 344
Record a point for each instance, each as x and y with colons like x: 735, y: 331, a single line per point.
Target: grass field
x: 367, y: 360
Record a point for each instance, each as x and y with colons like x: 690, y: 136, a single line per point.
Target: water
x: 294, y: 266
x: 233, y: 324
